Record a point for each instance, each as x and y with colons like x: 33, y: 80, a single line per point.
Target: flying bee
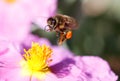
x: 62, y: 25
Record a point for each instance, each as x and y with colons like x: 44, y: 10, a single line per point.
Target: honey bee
x: 62, y: 25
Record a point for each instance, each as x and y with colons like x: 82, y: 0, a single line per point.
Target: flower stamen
x: 38, y: 57
x: 10, y: 1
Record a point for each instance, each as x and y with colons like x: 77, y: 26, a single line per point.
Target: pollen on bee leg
x: 68, y: 34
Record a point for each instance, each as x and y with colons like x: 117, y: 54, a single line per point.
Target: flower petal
x: 12, y: 75
x: 48, y: 9
x: 14, y: 21
x: 96, y: 69
x: 9, y: 54
x: 26, y: 44
x: 67, y: 71
x: 60, y: 54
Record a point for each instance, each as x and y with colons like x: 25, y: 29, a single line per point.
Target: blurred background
x: 98, y: 32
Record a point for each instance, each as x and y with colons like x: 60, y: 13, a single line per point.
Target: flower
x: 16, y: 16
x: 36, y: 64
x: 36, y: 60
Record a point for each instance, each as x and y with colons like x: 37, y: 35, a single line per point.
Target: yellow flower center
x: 10, y: 1
x: 37, y: 60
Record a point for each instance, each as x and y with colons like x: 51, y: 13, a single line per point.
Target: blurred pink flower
x: 16, y: 16
x: 64, y: 67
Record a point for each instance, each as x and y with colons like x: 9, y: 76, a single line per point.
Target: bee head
x: 51, y: 23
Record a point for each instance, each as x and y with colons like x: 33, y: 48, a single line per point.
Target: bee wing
x: 71, y: 23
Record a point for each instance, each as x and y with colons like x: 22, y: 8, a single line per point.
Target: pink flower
x: 16, y: 16
x: 36, y: 64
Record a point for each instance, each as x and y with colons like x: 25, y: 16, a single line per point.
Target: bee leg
x: 62, y: 38
x: 57, y: 34
x: 49, y: 28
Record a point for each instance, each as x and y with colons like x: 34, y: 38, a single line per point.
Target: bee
x: 62, y: 25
